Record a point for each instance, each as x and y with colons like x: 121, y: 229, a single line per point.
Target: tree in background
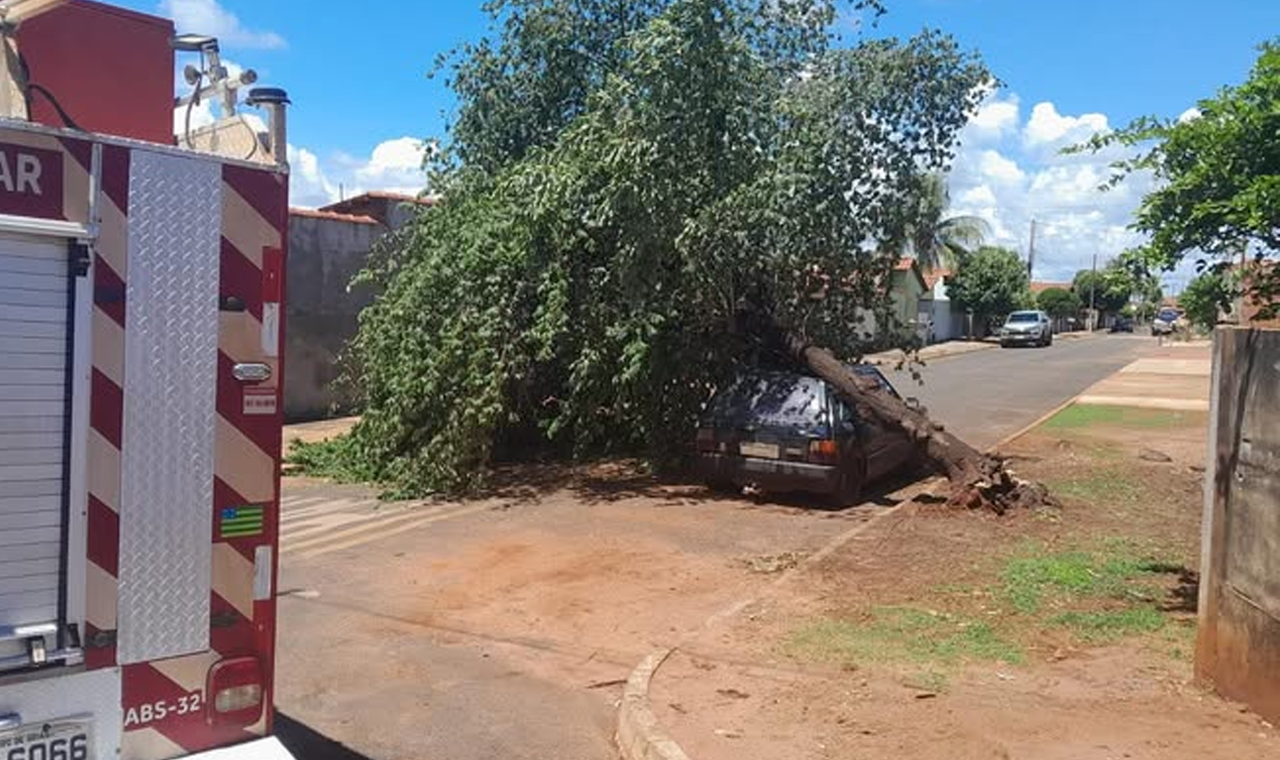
x: 934, y: 239
x: 1206, y: 297
x: 1059, y: 303
x: 1218, y: 179
x: 1109, y: 289
x: 990, y: 283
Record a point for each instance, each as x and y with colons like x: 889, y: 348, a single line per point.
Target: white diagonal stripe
x: 321, y: 547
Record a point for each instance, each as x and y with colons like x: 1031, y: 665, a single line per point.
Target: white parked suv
x: 1027, y: 328
x: 1167, y: 322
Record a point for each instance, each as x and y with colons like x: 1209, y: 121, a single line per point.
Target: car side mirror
x: 914, y: 404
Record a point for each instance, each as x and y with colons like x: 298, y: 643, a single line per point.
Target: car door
x: 888, y: 448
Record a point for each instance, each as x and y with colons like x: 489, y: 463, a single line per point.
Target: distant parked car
x: 1027, y: 328
x: 1166, y: 322
x: 787, y: 432
x: 1122, y: 325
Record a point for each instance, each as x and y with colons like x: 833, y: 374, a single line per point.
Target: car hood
x: 1022, y: 326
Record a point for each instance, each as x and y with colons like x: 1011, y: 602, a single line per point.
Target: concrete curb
x: 1008, y: 439
x: 891, y: 358
x: 639, y: 736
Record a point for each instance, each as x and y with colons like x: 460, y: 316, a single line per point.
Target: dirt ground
x: 927, y: 637
x: 513, y: 625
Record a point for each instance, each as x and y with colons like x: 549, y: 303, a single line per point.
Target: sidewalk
x: 1176, y: 377
x: 928, y: 353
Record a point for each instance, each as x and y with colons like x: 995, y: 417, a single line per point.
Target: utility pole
x: 1093, y: 296
x: 1031, y: 254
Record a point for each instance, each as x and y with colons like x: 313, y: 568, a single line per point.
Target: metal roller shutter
x: 33, y: 428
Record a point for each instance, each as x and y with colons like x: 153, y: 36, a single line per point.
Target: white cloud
x: 995, y: 119
x: 392, y: 166
x: 1000, y: 169
x: 209, y: 17
x: 1050, y: 129
x: 1191, y: 114
x: 1016, y: 173
x: 309, y: 187
x: 977, y: 197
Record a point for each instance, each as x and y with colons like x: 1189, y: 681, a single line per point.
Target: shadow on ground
x: 306, y: 743
x: 616, y: 480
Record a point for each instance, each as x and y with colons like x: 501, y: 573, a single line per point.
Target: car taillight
x: 706, y: 439
x: 824, y: 452
x: 236, y: 692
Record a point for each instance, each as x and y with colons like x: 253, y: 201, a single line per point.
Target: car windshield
x: 1023, y: 316
x: 1169, y: 315
x: 867, y: 370
x: 770, y: 399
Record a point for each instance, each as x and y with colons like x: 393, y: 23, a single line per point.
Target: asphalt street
x: 987, y: 395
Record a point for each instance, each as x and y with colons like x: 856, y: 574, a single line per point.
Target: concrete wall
x: 1238, y: 646
x: 325, y: 252
x: 949, y: 322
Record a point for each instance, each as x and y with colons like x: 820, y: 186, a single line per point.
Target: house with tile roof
x: 327, y: 247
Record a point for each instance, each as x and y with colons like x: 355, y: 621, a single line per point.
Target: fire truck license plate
x: 56, y: 740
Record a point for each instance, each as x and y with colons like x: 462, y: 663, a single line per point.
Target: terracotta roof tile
x: 332, y: 216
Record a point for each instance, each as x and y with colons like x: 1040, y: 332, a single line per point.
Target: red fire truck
x: 141, y: 280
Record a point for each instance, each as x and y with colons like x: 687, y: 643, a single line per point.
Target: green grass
x: 1079, y: 416
x: 1118, y: 570
x: 1101, y: 593
x: 1108, y: 626
x: 903, y: 635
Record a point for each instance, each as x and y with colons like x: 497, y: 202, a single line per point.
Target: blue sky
x: 363, y: 102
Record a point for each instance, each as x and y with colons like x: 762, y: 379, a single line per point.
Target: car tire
x: 724, y: 487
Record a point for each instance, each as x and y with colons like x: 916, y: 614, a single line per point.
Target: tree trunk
x: 977, y: 480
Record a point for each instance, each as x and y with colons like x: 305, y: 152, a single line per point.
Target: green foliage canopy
x: 1206, y: 296
x: 991, y: 282
x: 1059, y: 302
x: 1108, y: 290
x: 621, y: 206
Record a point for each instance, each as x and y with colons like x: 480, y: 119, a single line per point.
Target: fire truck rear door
x: 35, y: 325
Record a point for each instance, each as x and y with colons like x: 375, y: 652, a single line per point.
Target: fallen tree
x: 613, y: 200
x: 978, y: 480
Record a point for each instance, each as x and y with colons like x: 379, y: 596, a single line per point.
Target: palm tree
x: 938, y: 241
